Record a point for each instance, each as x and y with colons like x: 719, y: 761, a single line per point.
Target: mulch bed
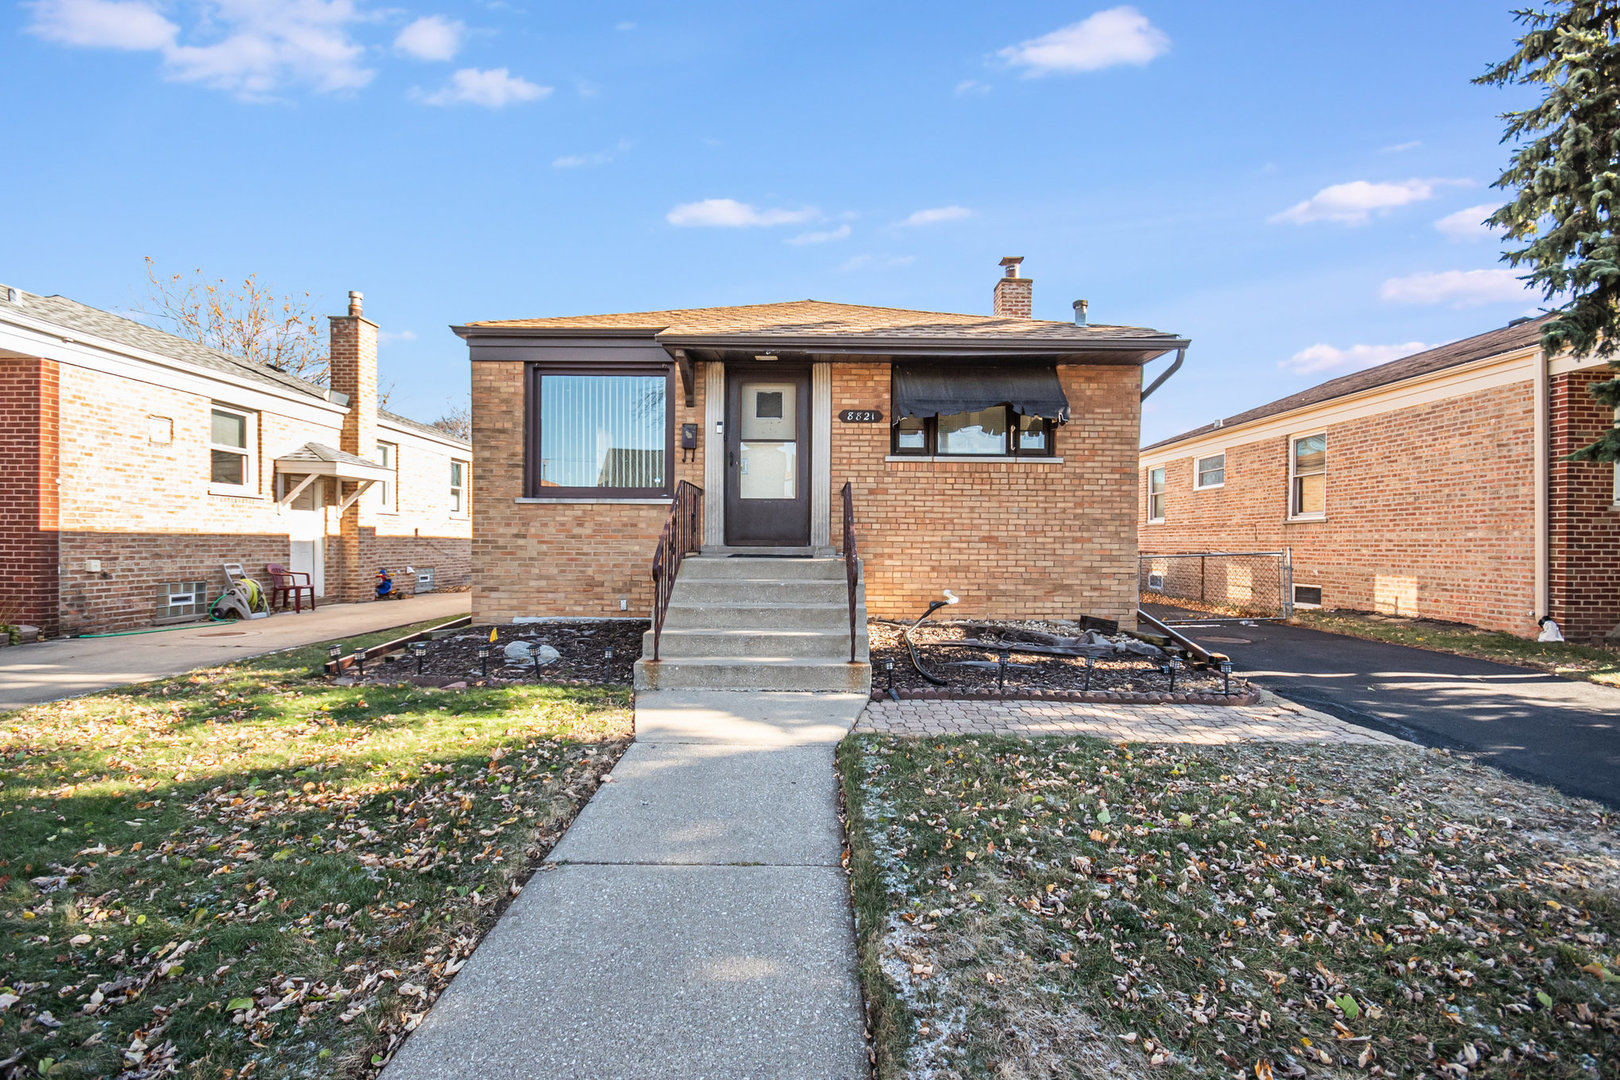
x: 1032, y: 674
x: 581, y: 645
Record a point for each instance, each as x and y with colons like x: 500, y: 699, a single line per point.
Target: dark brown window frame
x: 931, y: 440
x: 531, y: 431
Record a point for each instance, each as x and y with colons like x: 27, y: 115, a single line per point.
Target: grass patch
x: 1069, y: 907
x: 1589, y: 663
x: 246, y: 871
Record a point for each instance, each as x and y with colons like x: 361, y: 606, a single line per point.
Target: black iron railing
x: 683, y: 534
x: 852, y: 562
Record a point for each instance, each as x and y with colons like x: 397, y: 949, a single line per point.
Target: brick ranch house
x: 993, y: 455
x: 1435, y: 485
x: 137, y: 463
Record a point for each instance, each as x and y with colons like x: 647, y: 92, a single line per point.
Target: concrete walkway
x: 1274, y: 720
x: 49, y: 670
x: 694, y: 920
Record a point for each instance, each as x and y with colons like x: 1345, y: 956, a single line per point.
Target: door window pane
x: 1034, y: 435
x: 980, y: 432
x: 768, y: 442
x: 910, y: 434
x: 603, y: 431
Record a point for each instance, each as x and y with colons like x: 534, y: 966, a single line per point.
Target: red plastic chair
x: 285, y: 583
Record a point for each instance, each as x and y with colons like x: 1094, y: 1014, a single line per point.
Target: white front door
x: 306, y: 536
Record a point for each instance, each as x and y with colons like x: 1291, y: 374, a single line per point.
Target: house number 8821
x: 861, y: 416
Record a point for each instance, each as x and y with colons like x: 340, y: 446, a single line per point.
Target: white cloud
x: 432, y: 37
x: 580, y: 161
x: 1318, y: 358
x: 972, y: 86
x: 251, y: 48
x: 1458, y: 288
x: 1468, y: 223
x: 1120, y: 35
x: 822, y: 237
x: 729, y: 213
x: 1355, y: 203
x: 937, y: 214
x: 493, y: 89
x: 876, y: 262
x: 102, y: 24
x: 387, y: 336
x: 1399, y: 147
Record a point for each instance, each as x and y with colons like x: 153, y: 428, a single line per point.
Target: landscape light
x: 483, y: 655
x: 1090, y: 662
x: 1001, y: 671
x: 419, y: 650
x: 607, y: 663
x: 360, y: 661
x: 1169, y: 668
x: 1226, y: 676
x: 335, y: 651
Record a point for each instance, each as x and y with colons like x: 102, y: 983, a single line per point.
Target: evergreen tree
x: 1564, y: 178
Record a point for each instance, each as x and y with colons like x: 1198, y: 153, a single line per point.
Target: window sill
x: 1155, y: 521
x: 234, y: 492
x: 939, y: 459
x: 1209, y: 487
x: 664, y: 501
x: 1304, y: 519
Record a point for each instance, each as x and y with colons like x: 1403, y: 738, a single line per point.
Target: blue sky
x: 1295, y: 187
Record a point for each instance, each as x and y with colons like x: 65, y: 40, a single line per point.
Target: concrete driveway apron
x: 693, y: 922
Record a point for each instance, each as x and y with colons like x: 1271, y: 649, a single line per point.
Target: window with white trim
x: 1209, y: 472
x: 387, y: 491
x: 1155, y: 495
x: 1307, y: 476
x: 231, y: 437
x: 458, y: 487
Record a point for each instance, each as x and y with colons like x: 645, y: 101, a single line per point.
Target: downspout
x: 1541, y: 471
x: 1181, y: 354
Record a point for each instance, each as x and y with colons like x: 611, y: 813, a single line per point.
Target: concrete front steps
x: 747, y: 623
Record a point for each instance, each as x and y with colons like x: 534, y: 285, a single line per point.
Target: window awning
x: 924, y: 390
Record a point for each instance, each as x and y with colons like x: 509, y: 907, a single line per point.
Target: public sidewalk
x: 693, y: 922
x: 68, y: 667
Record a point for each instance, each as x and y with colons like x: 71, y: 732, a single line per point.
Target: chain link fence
x: 1216, y: 586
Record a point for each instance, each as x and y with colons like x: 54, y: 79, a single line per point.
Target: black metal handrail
x: 852, y: 561
x: 683, y: 534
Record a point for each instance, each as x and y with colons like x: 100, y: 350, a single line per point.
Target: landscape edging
x: 1100, y: 697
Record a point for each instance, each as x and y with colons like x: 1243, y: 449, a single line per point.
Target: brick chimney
x: 353, y: 373
x: 1013, y: 293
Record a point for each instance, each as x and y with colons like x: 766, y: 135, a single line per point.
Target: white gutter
x: 1541, y: 477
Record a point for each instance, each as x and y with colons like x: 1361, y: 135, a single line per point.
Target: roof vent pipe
x: 1080, y: 312
x: 14, y: 295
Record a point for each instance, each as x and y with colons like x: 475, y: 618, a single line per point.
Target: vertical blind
x: 603, y: 431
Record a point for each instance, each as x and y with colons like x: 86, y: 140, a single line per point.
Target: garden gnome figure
x: 1549, y: 629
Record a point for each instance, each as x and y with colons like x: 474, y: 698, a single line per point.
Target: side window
x: 1155, y: 494
x: 231, y: 439
x: 458, y: 487
x: 1307, y: 496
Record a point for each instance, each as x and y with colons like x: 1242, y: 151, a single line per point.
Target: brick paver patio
x: 1275, y: 721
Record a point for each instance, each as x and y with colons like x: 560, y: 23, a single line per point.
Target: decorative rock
x: 524, y: 652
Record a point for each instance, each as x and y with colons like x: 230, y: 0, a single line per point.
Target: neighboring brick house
x: 992, y: 455
x: 137, y: 463
x: 1435, y: 485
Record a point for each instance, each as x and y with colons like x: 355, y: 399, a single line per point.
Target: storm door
x: 767, y: 442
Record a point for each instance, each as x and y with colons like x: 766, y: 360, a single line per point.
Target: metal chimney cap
x: 355, y: 299
x: 1080, y: 312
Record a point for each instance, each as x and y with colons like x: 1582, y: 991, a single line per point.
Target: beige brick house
x: 137, y: 463
x: 994, y: 455
x: 1434, y: 485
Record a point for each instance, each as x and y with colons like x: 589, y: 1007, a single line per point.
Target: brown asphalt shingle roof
x: 1479, y: 347
x: 819, y: 318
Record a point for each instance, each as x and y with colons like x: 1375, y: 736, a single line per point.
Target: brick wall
x: 1430, y: 510
x: 28, y: 494
x: 353, y: 372
x: 422, y: 529
x: 556, y: 558
x: 1584, y: 521
x: 1011, y: 539
x: 1033, y: 539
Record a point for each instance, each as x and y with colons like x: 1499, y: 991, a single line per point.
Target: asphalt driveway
x: 1525, y: 722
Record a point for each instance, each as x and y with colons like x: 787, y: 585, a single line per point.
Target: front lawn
x: 1070, y: 907
x: 247, y: 871
x: 1584, y: 662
